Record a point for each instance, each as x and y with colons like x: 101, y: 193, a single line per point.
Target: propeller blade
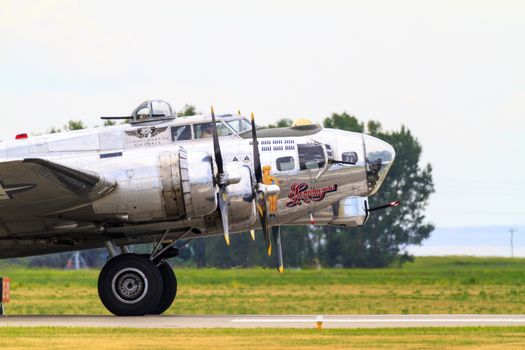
x: 276, y: 233
x: 217, y: 146
x: 252, y: 233
x: 224, y: 205
x: 263, y: 216
x: 256, y: 156
x: 224, y: 201
x: 258, y: 194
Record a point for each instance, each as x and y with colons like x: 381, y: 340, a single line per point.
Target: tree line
x: 382, y: 241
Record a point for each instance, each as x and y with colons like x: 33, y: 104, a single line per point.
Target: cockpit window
x: 311, y: 156
x: 205, y: 130
x: 239, y: 125
x: 180, y: 133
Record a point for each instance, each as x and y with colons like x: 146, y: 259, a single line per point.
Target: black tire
x: 130, y: 285
x: 169, y: 291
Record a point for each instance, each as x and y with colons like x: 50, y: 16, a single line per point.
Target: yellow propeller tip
x: 227, y: 239
x: 252, y: 116
x: 212, y: 111
x: 270, y: 251
x: 252, y: 233
x: 281, y: 269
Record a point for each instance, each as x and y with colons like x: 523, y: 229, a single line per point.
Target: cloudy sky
x: 452, y: 71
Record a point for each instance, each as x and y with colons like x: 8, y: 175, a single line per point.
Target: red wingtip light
x: 21, y: 136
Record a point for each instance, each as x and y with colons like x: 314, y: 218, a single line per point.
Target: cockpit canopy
x: 153, y: 110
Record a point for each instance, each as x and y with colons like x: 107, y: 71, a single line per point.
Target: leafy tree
x: 281, y: 123
x: 187, y: 110
x: 109, y: 122
x: 344, y: 121
x: 75, y: 125
x: 387, y: 233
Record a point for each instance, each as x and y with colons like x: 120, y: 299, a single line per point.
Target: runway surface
x: 267, y: 321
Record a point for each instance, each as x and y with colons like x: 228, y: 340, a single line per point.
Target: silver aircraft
x: 166, y: 179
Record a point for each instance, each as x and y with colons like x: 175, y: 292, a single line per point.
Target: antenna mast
x: 512, y: 241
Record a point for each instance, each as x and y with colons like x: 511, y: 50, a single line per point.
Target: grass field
x: 268, y: 339
x: 429, y: 285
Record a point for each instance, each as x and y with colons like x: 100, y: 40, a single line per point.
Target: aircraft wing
x: 38, y: 187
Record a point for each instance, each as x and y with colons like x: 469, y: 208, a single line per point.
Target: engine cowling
x: 242, y: 207
x: 178, y: 185
x: 187, y: 184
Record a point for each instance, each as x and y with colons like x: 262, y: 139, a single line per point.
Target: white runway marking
x: 266, y: 321
x: 405, y: 320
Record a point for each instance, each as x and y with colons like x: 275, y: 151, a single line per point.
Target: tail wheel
x: 169, y: 291
x: 130, y: 285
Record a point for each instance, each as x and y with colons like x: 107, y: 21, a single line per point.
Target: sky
x: 474, y: 241
x: 453, y: 72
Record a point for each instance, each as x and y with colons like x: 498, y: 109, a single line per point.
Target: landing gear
x: 132, y: 285
x: 170, y: 288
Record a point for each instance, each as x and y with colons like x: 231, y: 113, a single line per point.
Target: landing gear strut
x: 132, y: 285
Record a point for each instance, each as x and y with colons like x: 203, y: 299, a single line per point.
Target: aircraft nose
x: 379, y: 158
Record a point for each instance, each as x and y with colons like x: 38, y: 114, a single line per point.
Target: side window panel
x: 311, y: 156
x: 349, y: 157
x: 180, y: 133
x: 285, y: 163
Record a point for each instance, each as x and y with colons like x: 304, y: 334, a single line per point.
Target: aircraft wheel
x: 129, y: 284
x: 170, y: 288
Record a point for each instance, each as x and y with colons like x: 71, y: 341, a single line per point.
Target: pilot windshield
x: 205, y: 130
x: 240, y: 125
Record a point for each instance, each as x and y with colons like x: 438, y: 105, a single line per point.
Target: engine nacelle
x: 242, y: 207
x: 187, y: 184
x: 175, y: 185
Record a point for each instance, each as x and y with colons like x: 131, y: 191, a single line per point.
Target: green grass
x: 429, y: 285
x: 12, y: 338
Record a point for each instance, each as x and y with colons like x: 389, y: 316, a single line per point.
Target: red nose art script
x: 301, y: 192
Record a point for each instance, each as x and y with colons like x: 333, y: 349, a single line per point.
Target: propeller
x: 224, y: 200
x: 258, y: 191
x: 276, y: 233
